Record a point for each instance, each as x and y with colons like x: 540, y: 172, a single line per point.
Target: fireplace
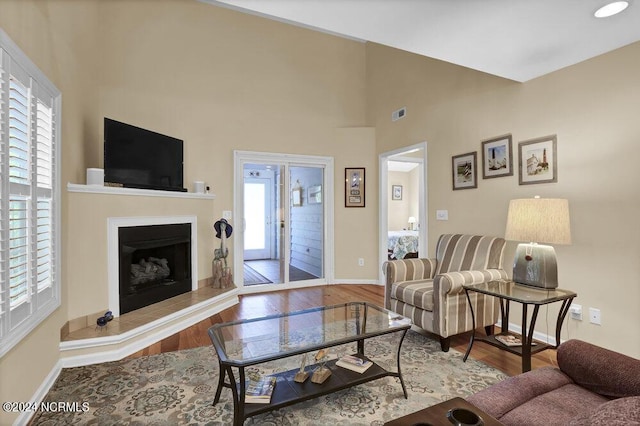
x: 150, y: 259
x: 154, y: 264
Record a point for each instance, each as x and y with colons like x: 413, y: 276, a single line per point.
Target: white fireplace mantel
x: 97, y: 189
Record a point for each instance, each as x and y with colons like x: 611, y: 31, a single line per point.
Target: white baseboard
x: 373, y: 281
x: 41, y: 392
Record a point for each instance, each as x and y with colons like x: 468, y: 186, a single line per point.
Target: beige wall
x: 59, y: 37
x: 592, y: 107
x: 223, y: 81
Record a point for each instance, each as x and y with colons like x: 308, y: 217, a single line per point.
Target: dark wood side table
x: 509, y: 291
x: 436, y: 415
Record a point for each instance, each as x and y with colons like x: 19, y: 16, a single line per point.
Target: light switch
x: 226, y: 214
x: 442, y: 214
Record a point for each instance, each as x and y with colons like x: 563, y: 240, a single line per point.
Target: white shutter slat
x: 18, y: 132
x: 44, y: 145
x: 18, y: 251
x: 43, y: 244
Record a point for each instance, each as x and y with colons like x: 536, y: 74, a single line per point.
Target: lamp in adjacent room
x: 537, y: 220
x: 412, y: 223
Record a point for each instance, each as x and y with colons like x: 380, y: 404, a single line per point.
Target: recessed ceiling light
x: 611, y: 9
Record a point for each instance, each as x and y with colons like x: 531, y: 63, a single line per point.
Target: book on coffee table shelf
x: 510, y: 340
x: 259, y: 391
x: 354, y: 363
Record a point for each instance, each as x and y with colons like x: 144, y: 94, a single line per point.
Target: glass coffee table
x: 244, y: 343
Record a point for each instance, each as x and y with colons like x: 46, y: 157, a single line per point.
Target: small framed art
x: 396, y: 192
x: 497, y: 159
x: 464, y: 171
x: 537, y: 161
x: 354, y: 187
x: 315, y: 194
x: 296, y: 197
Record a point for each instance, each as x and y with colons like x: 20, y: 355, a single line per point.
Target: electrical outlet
x: 576, y: 311
x: 594, y: 316
x: 360, y: 261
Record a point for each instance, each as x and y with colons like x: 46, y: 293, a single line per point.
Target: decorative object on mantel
x: 101, y: 323
x: 221, y: 272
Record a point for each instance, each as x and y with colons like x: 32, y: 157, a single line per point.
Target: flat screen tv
x: 139, y: 158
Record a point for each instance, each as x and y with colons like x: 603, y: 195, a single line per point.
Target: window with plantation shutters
x: 29, y: 192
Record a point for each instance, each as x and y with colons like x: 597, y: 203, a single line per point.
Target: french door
x: 285, y: 204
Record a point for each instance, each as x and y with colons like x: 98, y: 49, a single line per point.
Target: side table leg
x: 527, y: 336
x: 564, y: 310
x: 473, y: 332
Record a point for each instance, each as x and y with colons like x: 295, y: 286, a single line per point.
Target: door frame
x: 252, y: 157
x: 383, y: 225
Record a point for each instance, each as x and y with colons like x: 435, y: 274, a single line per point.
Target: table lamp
x: 537, y: 220
x: 412, y: 222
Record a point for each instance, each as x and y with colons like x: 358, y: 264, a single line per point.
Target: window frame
x: 40, y: 302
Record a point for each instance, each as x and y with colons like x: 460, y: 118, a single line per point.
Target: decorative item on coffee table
x: 302, y: 375
x: 353, y: 363
x: 321, y: 373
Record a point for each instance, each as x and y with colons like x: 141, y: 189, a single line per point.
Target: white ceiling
x: 515, y: 39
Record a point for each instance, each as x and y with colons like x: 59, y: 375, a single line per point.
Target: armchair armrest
x: 406, y: 270
x: 600, y: 370
x: 451, y: 283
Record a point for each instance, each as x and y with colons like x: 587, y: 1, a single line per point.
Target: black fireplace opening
x: 154, y: 264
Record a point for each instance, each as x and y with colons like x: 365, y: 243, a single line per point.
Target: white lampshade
x: 412, y: 219
x: 539, y: 220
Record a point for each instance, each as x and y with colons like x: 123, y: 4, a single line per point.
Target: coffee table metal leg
x: 222, y: 372
x: 404, y: 388
x: 473, y: 331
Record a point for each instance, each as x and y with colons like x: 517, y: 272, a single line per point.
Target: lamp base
x: 535, y: 265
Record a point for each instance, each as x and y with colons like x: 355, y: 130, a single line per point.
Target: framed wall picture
x: 464, y: 171
x: 537, y: 161
x: 296, y: 197
x: 354, y: 187
x: 396, y: 192
x: 497, y: 159
x: 315, y: 194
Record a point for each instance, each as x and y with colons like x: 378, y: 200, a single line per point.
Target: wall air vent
x: 398, y: 114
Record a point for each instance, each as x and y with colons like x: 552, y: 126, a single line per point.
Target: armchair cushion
x: 415, y: 293
x: 622, y: 411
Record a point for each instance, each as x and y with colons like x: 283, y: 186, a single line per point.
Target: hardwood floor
x: 262, y: 304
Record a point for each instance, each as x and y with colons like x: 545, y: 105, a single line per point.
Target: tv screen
x: 139, y: 158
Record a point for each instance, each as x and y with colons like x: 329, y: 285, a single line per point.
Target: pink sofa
x: 592, y: 386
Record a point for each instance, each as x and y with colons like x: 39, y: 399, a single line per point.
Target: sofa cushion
x: 600, y: 370
x: 515, y: 391
x: 558, y: 407
x: 417, y: 293
x: 622, y: 411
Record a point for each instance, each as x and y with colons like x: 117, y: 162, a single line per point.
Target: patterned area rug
x: 177, y: 388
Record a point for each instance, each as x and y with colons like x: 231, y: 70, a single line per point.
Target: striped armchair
x: 429, y: 291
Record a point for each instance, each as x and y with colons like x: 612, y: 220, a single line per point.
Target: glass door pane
x: 262, y: 260
x: 306, y: 223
